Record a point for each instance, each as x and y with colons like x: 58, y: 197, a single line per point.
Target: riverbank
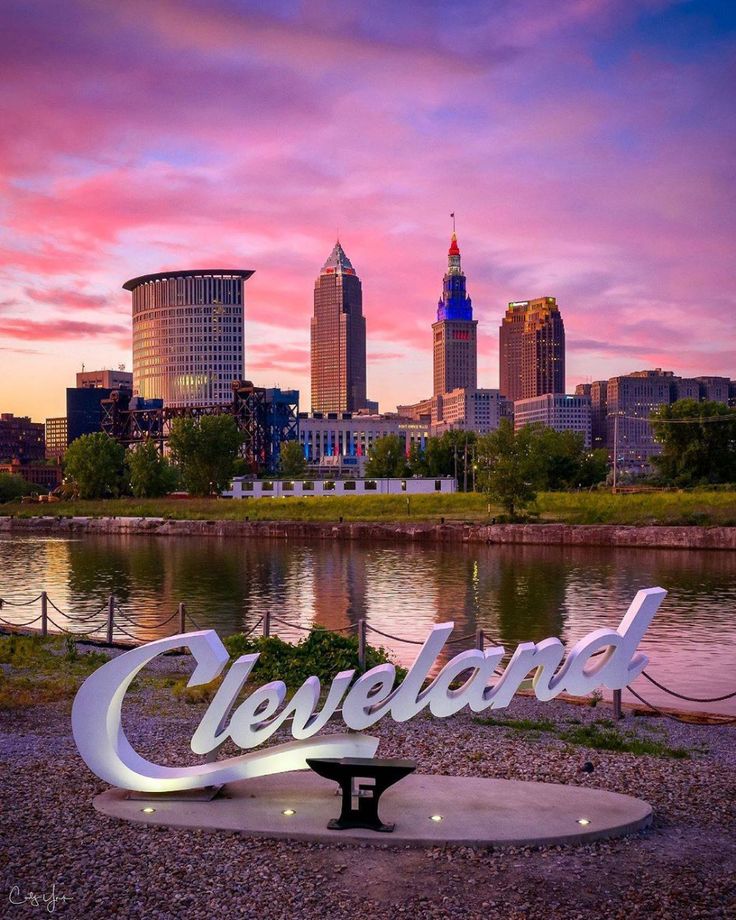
x: 695, y: 508
x: 683, y: 866
x: 662, y: 536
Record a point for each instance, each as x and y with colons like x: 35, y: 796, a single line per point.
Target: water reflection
x: 514, y: 593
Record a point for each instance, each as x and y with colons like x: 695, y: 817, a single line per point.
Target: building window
x: 438, y: 485
x: 349, y: 485
x: 370, y: 485
x: 329, y: 485
x: 307, y: 487
x: 267, y: 486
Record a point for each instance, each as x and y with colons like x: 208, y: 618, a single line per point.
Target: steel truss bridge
x: 265, y: 418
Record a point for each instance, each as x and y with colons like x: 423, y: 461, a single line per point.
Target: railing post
x: 44, y: 614
x: 480, y: 639
x: 361, y: 644
x: 182, y: 618
x: 267, y: 623
x: 617, y: 711
x: 110, y: 617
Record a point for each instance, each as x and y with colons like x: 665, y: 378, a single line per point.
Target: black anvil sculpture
x: 363, y: 781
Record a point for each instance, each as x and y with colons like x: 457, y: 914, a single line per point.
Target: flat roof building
x: 188, y: 335
x: 107, y: 379
x: 560, y: 411
x: 21, y: 439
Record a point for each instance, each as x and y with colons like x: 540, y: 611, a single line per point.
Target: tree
x: 292, y: 461
x: 205, y: 450
x: 96, y: 464
x: 387, y: 458
x: 12, y: 487
x: 151, y: 475
x: 698, y: 442
x: 593, y: 467
x: 509, y: 467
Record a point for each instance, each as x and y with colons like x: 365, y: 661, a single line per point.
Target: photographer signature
x: 36, y: 899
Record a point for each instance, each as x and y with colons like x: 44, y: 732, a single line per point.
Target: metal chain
x: 668, y: 715
x: 5, y: 602
x: 395, y: 638
x: 689, y: 699
x: 20, y: 625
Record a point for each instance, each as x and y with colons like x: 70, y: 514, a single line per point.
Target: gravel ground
x: 683, y: 866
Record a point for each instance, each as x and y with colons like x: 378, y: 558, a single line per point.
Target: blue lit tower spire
x: 455, y: 331
x: 454, y: 303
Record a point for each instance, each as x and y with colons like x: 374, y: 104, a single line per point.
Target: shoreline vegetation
x: 707, y: 508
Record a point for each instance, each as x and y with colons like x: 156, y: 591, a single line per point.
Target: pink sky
x: 586, y: 147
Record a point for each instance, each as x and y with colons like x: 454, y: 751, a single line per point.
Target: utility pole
x: 465, y: 465
x: 615, y: 450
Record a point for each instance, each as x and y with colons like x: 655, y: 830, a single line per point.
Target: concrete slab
x: 474, y: 811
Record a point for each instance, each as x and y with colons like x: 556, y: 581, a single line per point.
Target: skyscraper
x: 532, y: 349
x: 188, y: 335
x: 338, y: 337
x: 455, y: 331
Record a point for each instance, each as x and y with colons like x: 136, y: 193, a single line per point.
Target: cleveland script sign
x: 603, y: 658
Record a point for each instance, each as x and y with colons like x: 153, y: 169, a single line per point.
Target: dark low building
x: 84, y: 410
x: 45, y: 476
x: 21, y: 439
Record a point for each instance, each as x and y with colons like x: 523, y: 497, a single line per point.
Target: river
x: 514, y: 593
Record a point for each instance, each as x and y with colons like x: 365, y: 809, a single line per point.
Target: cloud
x: 58, y: 329
x: 584, y: 147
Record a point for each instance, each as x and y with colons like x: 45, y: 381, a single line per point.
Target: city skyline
x: 582, y: 147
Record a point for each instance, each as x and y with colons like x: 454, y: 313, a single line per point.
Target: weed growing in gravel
x: 609, y: 739
x: 41, y: 670
x: 602, y: 735
x: 520, y: 725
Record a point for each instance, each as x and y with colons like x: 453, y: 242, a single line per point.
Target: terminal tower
x: 455, y: 332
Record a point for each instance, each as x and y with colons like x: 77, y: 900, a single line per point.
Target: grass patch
x: 601, y: 735
x: 683, y: 508
x: 42, y: 670
x: 520, y: 725
x: 609, y: 739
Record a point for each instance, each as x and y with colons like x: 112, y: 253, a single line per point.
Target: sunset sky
x: 586, y: 147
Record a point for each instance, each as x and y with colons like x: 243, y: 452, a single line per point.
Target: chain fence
x: 112, y: 616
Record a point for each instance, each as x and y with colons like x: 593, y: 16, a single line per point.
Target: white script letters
x: 605, y: 657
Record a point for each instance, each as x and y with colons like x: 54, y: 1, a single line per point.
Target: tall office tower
x: 532, y: 349
x: 455, y: 332
x: 338, y: 337
x: 188, y: 335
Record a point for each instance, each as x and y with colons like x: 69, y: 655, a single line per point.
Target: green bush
x: 321, y: 653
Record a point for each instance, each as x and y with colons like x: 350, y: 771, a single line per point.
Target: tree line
x: 698, y: 447
x: 510, y: 466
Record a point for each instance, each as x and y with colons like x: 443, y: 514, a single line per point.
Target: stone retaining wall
x: 546, y: 534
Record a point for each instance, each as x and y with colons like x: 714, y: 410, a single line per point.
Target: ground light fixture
x: 288, y: 812
x: 584, y: 821
x: 435, y: 818
x: 148, y: 810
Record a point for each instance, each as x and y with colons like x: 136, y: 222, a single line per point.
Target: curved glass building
x: 188, y: 335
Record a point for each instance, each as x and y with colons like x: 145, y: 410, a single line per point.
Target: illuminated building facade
x: 188, y: 335
x: 56, y: 438
x: 455, y: 331
x: 532, y: 349
x: 338, y: 338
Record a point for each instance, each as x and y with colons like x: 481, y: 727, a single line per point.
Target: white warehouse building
x: 241, y: 487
